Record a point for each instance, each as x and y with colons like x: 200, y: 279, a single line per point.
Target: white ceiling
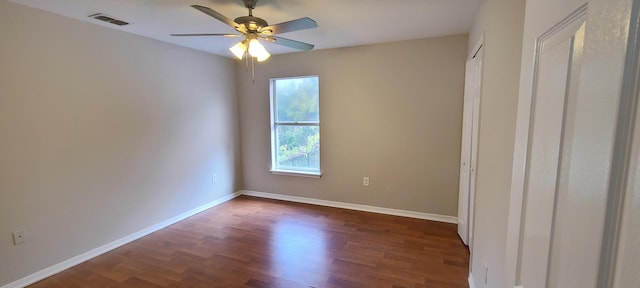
x: 341, y: 23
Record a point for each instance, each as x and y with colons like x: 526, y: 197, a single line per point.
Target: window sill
x: 297, y: 173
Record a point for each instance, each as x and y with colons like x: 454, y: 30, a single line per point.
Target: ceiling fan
x: 254, y: 29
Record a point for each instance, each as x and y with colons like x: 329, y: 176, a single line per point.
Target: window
x: 295, y: 126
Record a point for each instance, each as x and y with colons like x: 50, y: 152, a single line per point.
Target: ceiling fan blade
x: 291, y: 43
x: 290, y: 26
x: 208, y: 34
x: 216, y: 14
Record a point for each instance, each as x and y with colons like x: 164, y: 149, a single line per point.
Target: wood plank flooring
x: 254, y: 242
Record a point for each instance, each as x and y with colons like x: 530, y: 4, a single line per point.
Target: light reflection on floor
x: 299, y: 252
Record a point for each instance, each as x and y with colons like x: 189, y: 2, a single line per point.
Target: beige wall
x: 502, y: 24
x: 392, y: 112
x: 102, y: 134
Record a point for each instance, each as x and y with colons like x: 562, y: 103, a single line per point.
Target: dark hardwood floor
x: 254, y: 242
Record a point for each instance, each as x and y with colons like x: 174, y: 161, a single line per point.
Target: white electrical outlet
x: 214, y: 178
x: 19, y: 237
x: 365, y: 181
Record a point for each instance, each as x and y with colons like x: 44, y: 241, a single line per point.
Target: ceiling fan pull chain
x: 246, y: 60
x: 253, y: 71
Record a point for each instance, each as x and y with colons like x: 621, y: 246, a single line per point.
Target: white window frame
x: 274, y: 125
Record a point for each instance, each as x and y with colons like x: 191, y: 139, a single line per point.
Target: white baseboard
x: 389, y: 211
x: 44, y: 273
x: 472, y: 283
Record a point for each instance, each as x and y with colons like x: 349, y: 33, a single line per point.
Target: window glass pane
x: 297, y: 99
x: 298, y: 148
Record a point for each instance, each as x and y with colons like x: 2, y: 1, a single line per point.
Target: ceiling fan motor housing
x: 251, y: 23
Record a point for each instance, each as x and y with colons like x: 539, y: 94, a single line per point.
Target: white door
x: 469, y: 147
x: 572, y: 142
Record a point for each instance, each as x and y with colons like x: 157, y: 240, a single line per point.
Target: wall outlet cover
x: 19, y: 237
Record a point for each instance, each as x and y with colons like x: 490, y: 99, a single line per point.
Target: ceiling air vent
x: 108, y: 19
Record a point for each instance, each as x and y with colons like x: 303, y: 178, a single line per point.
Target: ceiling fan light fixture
x: 239, y: 49
x: 257, y: 50
x: 264, y: 57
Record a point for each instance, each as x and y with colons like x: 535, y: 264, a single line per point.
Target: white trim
x: 472, y: 283
x: 297, y: 173
x: 66, y: 264
x: 381, y: 210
